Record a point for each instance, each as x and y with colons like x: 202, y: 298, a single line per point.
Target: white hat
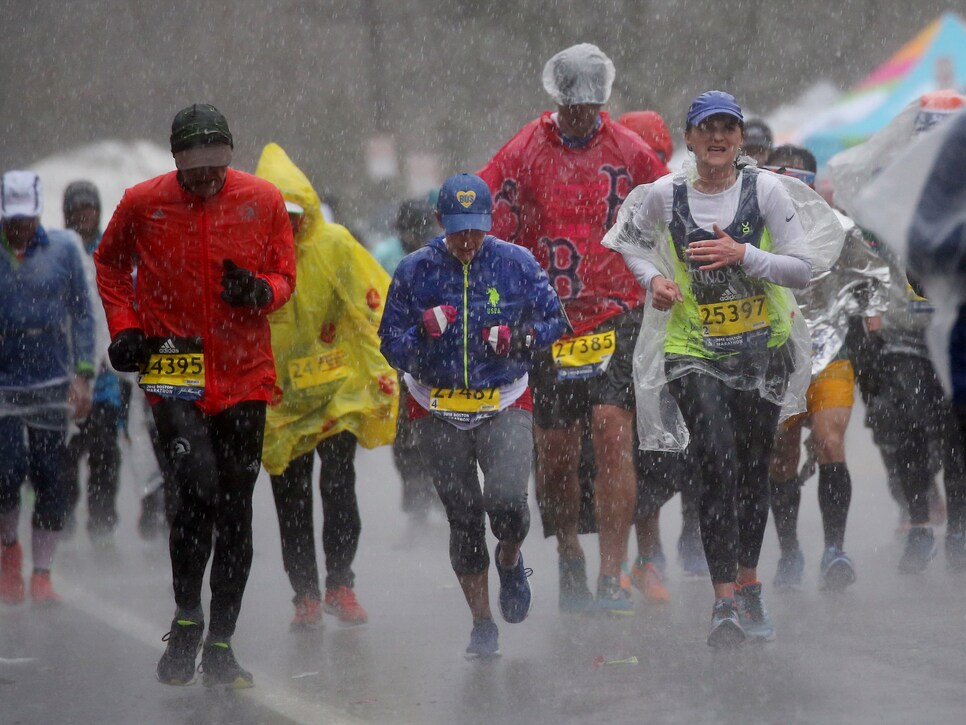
x: 21, y: 195
x: 292, y: 208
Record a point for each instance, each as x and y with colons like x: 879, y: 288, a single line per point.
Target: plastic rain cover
x: 580, y: 74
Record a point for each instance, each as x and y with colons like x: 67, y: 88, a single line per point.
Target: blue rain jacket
x: 46, y: 326
x: 502, y: 285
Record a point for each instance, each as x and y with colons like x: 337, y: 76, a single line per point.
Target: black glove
x: 243, y: 288
x: 127, y: 351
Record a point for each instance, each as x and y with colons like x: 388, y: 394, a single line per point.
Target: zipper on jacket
x: 466, y: 323
x: 205, y: 262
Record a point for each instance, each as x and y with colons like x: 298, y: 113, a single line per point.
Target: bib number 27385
x: 582, y: 357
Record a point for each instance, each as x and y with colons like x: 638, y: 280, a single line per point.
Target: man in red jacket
x: 557, y: 187
x: 215, y: 255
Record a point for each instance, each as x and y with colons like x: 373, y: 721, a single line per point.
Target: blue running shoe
x: 484, y: 640
x: 691, y: 556
x: 726, y: 629
x: 920, y: 550
x: 752, y: 614
x: 791, y: 570
x: 612, y: 598
x: 515, y: 595
x: 836, y: 572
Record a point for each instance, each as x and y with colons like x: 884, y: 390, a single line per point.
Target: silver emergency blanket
x: 660, y: 423
x: 857, y: 285
x: 580, y: 74
x: 924, y: 230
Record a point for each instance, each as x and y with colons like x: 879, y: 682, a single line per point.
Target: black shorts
x: 562, y: 403
x: 660, y: 475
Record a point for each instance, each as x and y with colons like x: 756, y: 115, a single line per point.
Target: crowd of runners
x: 573, y: 311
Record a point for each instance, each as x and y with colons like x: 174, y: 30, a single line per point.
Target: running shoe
x: 177, y: 664
x: 575, y: 595
x: 920, y: 550
x: 955, y: 551
x: 220, y: 668
x: 484, y: 640
x: 691, y: 556
x: 41, y: 589
x: 11, y: 576
x: 791, y: 571
x: 515, y: 595
x: 752, y: 614
x: 726, y: 628
x: 342, y: 602
x: 612, y: 598
x: 308, y: 613
x: 649, y: 581
x: 836, y: 572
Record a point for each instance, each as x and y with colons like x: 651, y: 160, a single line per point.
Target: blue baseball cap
x: 711, y: 103
x: 465, y: 203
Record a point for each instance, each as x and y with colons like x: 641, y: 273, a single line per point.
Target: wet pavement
x: 891, y: 649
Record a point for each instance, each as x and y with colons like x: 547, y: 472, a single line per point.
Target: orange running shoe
x: 308, y: 613
x: 648, y: 580
x: 41, y: 590
x: 11, y: 578
x: 342, y: 602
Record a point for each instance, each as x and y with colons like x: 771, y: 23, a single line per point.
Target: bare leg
x: 616, y: 485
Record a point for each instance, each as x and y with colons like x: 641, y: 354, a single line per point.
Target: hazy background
x: 448, y: 83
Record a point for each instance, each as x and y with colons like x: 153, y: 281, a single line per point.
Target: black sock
x: 785, y: 499
x: 834, y: 497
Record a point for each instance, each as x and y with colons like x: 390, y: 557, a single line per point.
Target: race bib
x: 735, y: 325
x: 176, y: 368
x: 464, y: 405
x: 918, y: 305
x: 315, y: 370
x: 583, y: 357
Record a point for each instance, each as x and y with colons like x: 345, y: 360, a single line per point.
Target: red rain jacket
x: 558, y: 202
x: 179, y: 242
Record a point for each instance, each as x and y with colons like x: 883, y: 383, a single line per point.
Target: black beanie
x: 80, y: 194
x: 199, y: 125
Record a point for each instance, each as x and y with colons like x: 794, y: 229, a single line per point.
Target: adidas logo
x: 158, y: 214
x: 730, y: 294
x: 168, y: 348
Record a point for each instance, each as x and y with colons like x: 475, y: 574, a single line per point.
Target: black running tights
x: 732, y: 433
x: 216, y: 461
x: 341, y: 525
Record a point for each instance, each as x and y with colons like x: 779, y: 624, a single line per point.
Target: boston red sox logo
x: 614, y: 198
x: 562, y: 262
x: 509, y: 194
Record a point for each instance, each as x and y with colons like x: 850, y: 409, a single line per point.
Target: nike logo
x: 789, y: 218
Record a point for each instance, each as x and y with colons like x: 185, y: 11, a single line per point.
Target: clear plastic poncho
x: 330, y: 370
x: 580, y: 74
x: 660, y: 424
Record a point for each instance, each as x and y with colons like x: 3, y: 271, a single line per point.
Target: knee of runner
x: 468, y: 554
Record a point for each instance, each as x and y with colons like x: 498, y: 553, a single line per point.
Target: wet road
x: 891, y: 649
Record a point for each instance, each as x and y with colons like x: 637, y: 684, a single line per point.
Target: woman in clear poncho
x: 723, y: 354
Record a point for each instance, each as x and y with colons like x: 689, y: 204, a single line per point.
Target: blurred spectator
x: 98, y: 434
x: 46, y: 353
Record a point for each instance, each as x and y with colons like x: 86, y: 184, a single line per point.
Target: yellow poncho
x: 332, y: 376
